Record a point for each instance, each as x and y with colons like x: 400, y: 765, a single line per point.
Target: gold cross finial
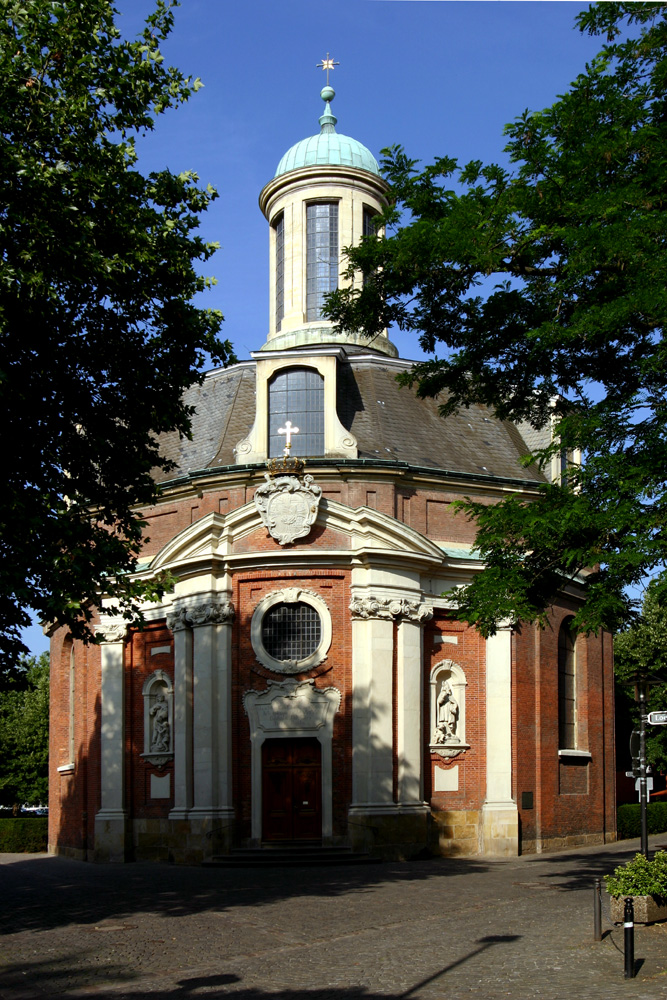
x: 327, y: 64
x: 288, y: 430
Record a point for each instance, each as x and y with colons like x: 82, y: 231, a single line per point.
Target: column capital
x: 178, y: 619
x: 212, y: 613
x: 112, y: 628
x: 390, y: 608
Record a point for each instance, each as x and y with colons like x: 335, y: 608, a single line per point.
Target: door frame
x: 285, y: 710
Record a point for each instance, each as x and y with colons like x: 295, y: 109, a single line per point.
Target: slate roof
x: 388, y: 421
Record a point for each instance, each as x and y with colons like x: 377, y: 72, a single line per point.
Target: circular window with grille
x: 291, y: 631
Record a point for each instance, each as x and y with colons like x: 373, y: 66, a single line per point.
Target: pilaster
x: 500, y: 819
x: 111, y: 821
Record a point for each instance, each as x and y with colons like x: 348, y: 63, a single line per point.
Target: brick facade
x: 560, y: 799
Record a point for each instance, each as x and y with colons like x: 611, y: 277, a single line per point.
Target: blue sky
x: 437, y: 76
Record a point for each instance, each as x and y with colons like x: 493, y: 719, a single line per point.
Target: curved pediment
x: 212, y: 539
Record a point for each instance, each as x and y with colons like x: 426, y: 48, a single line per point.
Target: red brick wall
x: 470, y: 654
x: 74, y: 796
x: 140, y: 664
x: 571, y: 796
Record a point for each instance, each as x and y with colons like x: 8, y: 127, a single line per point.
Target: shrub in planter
x: 646, y: 881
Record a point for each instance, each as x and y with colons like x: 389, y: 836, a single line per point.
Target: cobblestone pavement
x: 474, y: 929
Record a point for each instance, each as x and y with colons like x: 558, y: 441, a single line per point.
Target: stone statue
x: 447, y: 713
x: 161, y: 735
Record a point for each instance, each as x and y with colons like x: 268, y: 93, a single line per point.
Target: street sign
x: 657, y: 718
x: 649, y: 787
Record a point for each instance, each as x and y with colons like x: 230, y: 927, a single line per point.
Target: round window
x: 291, y: 631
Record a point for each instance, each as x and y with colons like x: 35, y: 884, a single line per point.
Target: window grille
x: 291, y: 631
x: 280, y: 271
x: 321, y: 256
x: 567, y: 688
x: 297, y: 394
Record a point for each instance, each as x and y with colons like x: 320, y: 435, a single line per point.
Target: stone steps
x: 289, y: 856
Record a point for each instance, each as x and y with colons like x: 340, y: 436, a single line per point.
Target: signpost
x: 657, y: 718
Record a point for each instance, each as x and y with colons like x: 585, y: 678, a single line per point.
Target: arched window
x: 321, y: 256
x: 297, y: 395
x: 567, y: 687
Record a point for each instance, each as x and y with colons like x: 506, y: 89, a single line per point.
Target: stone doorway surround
x: 284, y: 710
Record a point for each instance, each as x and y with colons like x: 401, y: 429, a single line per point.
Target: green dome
x: 328, y: 148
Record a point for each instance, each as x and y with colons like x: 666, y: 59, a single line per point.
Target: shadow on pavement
x: 49, y: 892
x: 45, y: 978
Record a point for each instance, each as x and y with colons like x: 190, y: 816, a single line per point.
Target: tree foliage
x: 641, y: 651
x: 98, y: 329
x: 546, y: 285
x: 24, y: 734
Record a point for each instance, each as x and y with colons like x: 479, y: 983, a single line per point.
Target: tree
x: 24, y: 734
x: 547, y: 285
x: 641, y: 651
x: 98, y: 329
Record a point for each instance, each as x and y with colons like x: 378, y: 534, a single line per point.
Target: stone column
x: 178, y: 621
x: 500, y: 822
x: 372, y: 723
x: 211, y: 745
x: 111, y: 822
x: 410, y: 702
x: 376, y: 820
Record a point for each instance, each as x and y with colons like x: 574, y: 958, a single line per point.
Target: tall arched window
x: 297, y: 395
x: 567, y: 687
x: 280, y: 270
x: 72, y: 703
x: 321, y: 256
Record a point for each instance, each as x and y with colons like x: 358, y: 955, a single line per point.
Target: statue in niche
x: 447, y: 716
x: 161, y: 734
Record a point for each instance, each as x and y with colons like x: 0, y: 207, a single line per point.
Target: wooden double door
x: 291, y: 789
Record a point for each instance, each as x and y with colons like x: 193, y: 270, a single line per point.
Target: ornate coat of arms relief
x: 288, y: 506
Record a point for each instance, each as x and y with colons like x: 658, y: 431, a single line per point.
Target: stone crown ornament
x: 287, y: 504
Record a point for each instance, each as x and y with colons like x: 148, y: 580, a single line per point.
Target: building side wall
x: 564, y: 799
x: 74, y: 778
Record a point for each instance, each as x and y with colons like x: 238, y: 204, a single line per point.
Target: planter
x: 647, y: 911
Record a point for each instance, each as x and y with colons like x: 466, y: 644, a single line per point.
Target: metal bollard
x: 629, y: 938
x: 597, y: 910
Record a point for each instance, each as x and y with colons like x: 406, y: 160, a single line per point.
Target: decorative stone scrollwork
x: 112, y: 628
x: 287, y: 506
x: 390, y: 608
x: 208, y: 613
x: 212, y: 613
x: 178, y: 619
x: 244, y: 447
x: 292, y: 706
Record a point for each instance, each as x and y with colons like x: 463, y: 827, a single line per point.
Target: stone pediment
x: 211, y: 539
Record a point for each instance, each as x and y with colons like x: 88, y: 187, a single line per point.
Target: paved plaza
x: 472, y: 928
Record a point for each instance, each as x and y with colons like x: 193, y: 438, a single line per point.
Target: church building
x: 305, y: 682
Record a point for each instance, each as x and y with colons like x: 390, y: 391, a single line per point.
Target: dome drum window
x: 290, y: 631
x: 297, y: 395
